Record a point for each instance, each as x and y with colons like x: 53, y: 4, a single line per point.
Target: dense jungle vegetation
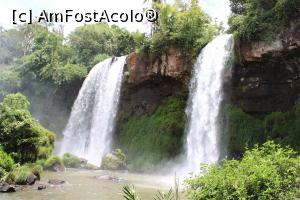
x: 262, y: 19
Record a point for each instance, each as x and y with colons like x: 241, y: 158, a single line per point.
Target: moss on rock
x: 54, y: 163
x: 245, y: 130
x: 149, y: 139
x: 70, y: 160
x: 114, y: 161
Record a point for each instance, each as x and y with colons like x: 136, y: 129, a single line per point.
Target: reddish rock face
x: 152, y: 82
x: 172, y: 64
x: 287, y: 40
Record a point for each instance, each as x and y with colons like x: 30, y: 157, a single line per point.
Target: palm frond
x: 129, y: 193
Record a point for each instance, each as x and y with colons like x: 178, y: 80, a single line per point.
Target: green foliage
x: 10, y: 45
x: 70, y: 160
x: 6, y: 163
x: 20, y: 135
x: 36, y: 169
x: 68, y: 73
x: 243, y: 130
x: 16, y: 101
x: 129, y: 193
x: 9, y: 81
x: 97, y: 41
x: 266, y: 172
x: 183, y: 25
x: 114, y: 161
x: 246, y: 131
x: 98, y: 58
x: 20, y: 174
x: 52, y: 60
x: 53, y: 162
x: 284, y: 127
x: 258, y: 19
x: 165, y: 196
x: 149, y: 139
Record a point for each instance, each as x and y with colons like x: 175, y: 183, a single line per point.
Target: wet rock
x: 83, y: 162
x: 6, y: 188
x: 56, y: 182
x: 90, y: 167
x: 42, y: 187
x: 107, y: 178
x: 31, y: 179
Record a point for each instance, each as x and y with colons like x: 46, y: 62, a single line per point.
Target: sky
x: 217, y: 9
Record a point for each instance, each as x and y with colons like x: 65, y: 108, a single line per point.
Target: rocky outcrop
x: 288, y: 40
x: 152, y: 81
x: 172, y: 64
x: 267, y: 79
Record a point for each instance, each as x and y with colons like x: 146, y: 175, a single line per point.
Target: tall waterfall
x: 89, y: 131
x: 204, y: 103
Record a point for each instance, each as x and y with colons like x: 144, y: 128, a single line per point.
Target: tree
x: 88, y: 41
x: 260, y: 19
x: 20, y: 135
x: 183, y: 25
x: 51, y: 60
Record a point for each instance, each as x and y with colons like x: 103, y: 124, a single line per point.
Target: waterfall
x: 202, y: 144
x: 88, y: 133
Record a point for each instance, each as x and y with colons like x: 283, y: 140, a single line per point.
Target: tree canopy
x: 260, y: 19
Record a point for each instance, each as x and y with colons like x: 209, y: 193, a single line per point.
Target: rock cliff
x: 267, y: 78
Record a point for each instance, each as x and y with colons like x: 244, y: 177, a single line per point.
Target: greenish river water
x: 82, y: 185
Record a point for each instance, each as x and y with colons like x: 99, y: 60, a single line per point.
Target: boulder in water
x: 56, y: 182
x: 31, y: 178
x: 42, y: 187
x: 108, y: 178
x: 6, y: 188
x: 54, y: 163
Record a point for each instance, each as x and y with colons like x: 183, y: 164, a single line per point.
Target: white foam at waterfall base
x: 89, y: 131
x: 205, y: 96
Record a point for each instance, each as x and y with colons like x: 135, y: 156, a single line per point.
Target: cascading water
x: 89, y: 131
x: 204, y: 103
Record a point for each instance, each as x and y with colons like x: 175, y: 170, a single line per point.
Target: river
x: 82, y: 185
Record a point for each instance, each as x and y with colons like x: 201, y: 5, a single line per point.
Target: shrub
x: 184, y: 25
x: 6, y: 162
x: 114, y: 161
x: 20, y: 135
x: 266, y: 172
x: 36, y: 169
x: 54, y: 163
x: 21, y: 174
x: 70, y: 160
